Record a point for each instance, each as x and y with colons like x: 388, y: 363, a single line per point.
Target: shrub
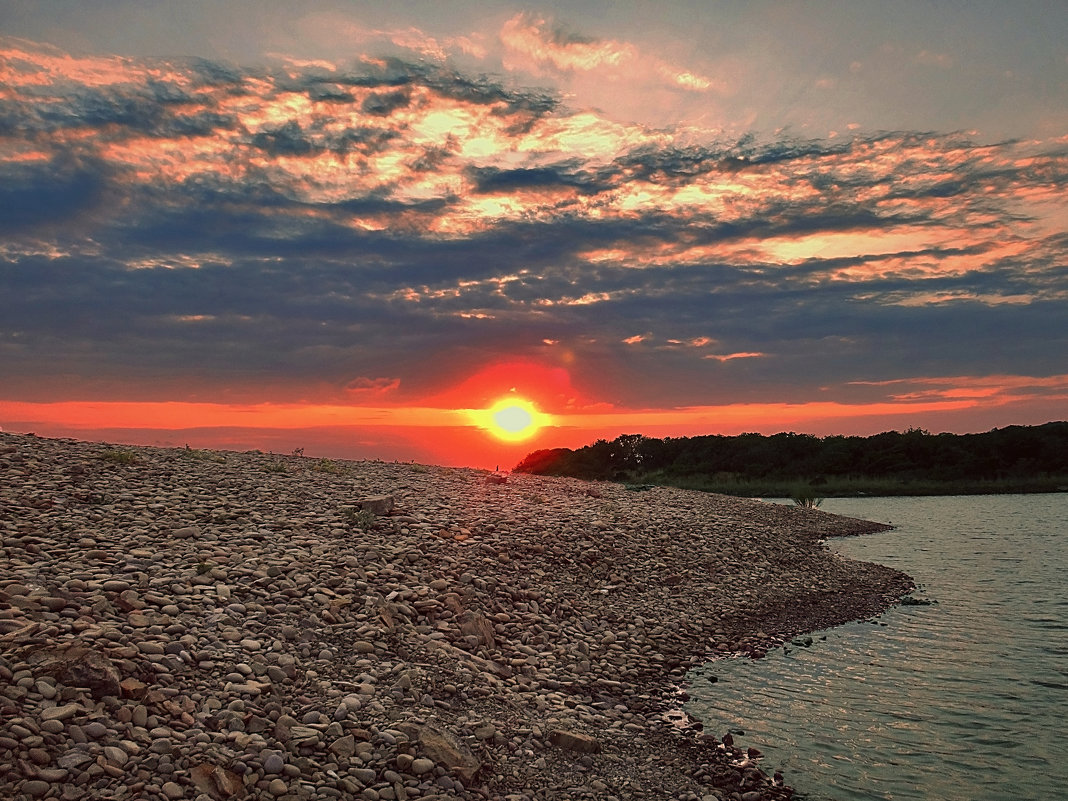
x: 358, y: 517
x: 806, y: 499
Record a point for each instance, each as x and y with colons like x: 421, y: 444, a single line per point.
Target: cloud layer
x: 376, y: 232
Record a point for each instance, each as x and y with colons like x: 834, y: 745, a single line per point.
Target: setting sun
x: 513, y: 419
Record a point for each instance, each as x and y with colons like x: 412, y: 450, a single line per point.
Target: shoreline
x: 257, y: 635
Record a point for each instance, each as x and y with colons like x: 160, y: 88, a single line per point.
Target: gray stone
x: 422, y: 765
x: 64, y: 712
x: 73, y: 758
x: 343, y: 746
x: 449, y: 751
x: 377, y: 504
x: 274, y: 762
x: 365, y: 775
x: 574, y: 741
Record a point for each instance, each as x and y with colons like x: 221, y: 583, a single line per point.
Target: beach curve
x: 244, y: 629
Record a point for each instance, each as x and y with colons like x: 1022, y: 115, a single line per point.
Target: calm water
x: 966, y: 698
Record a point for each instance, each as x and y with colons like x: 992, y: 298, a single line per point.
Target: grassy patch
x: 327, y: 466
x: 201, y: 456
x: 119, y: 456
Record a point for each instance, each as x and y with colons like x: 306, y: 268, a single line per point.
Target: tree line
x: 1013, y: 454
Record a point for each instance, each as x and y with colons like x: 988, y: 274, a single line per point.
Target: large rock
x: 574, y: 741
x: 448, y: 751
x: 217, y: 782
x: 77, y: 665
x: 475, y: 624
x: 377, y: 504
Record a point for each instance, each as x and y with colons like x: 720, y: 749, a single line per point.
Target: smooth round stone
x: 96, y: 729
x: 173, y: 791
x: 422, y: 765
x: 45, y: 689
x: 35, y: 788
x: 277, y: 787
x: 140, y: 715
x: 273, y: 763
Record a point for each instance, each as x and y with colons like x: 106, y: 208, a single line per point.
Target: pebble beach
x: 211, y: 625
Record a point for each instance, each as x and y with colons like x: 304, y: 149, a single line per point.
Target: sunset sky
x: 354, y: 227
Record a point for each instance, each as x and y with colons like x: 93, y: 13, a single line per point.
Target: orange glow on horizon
x: 473, y: 438
x: 172, y: 415
x: 503, y: 431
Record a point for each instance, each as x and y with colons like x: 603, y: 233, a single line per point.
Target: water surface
x: 964, y: 698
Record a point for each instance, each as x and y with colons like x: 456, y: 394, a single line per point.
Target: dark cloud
x: 491, y: 179
x: 288, y: 140
x: 382, y: 104
x: 39, y: 195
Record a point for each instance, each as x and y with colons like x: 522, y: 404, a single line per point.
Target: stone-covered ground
x: 179, y: 624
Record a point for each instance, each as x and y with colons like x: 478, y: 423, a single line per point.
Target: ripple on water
x: 957, y: 700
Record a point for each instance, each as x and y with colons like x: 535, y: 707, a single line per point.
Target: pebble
x: 36, y: 788
x: 199, y: 625
x: 421, y: 766
x: 278, y: 787
x: 61, y: 713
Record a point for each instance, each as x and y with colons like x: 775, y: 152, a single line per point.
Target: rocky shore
x: 182, y: 624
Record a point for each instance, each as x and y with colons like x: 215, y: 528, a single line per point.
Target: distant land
x: 914, y: 462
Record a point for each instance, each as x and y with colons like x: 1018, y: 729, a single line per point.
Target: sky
x: 354, y: 227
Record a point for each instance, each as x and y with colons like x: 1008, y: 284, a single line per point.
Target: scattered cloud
x: 933, y: 59
x: 362, y: 387
x: 538, y: 43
